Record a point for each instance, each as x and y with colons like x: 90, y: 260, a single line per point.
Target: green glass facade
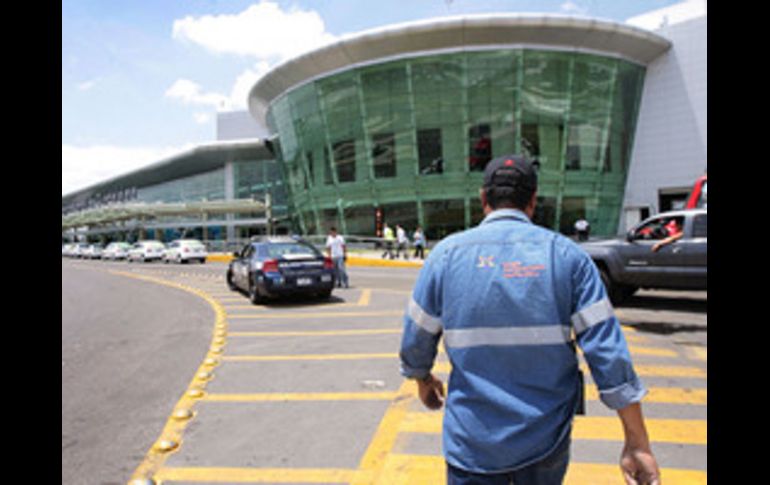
x: 412, y: 137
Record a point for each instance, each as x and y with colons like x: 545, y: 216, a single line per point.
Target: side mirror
x: 236, y: 255
x: 630, y: 236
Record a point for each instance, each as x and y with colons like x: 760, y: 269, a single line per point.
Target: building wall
x: 670, y: 150
x: 238, y: 125
x: 371, y: 136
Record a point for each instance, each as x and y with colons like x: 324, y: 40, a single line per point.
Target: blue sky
x: 143, y: 79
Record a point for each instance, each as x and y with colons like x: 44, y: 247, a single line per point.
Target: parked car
x: 116, y: 250
x: 78, y: 250
x: 185, y: 250
x: 627, y: 264
x: 274, y: 266
x: 67, y: 249
x: 146, y: 251
x: 92, y: 251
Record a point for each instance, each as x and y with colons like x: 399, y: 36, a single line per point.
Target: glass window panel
x: 545, y: 212
x: 402, y: 213
x: 360, y: 220
x: 429, y: 151
x: 443, y: 217
x: 479, y: 147
x: 384, y: 155
x: 345, y: 160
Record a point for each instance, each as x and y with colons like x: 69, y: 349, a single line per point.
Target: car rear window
x: 276, y: 250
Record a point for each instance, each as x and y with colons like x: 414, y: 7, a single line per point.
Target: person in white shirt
x: 582, y: 227
x: 335, y: 248
x: 402, y: 240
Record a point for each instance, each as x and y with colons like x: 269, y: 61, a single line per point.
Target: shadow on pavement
x: 666, y: 303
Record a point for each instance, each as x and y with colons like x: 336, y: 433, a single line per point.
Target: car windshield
x: 290, y: 250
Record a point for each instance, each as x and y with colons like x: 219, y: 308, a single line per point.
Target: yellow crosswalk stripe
x: 665, y: 395
x: 644, y: 370
x: 682, y: 431
x: 402, y: 469
x: 685, y: 431
x: 255, y: 475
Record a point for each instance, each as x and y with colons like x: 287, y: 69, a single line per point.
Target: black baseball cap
x: 512, y: 171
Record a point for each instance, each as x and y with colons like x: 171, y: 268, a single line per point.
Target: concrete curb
x: 352, y: 261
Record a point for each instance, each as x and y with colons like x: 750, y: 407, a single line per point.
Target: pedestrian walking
x: 337, y: 251
x: 508, y: 296
x: 582, y: 228
x: 419, y: 243
x: 402, y: 242
x: 387, y: 235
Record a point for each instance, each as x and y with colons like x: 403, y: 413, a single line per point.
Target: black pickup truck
x: 627, y: 264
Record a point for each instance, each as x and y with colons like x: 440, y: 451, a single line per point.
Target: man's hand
x: 431, y: 392
x: 637, y: 461
x: 639, y: 467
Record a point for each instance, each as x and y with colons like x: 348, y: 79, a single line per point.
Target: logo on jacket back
x: 512, y: 269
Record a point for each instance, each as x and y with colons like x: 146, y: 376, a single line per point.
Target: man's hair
x: 332, y: 229
x: 507, y: 196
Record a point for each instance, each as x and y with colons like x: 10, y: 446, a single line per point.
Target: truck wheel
x: 617, y: 293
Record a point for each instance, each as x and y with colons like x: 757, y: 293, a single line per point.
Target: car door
x: 694, y: 249
x: 241, y: 267
x: 644, y: 267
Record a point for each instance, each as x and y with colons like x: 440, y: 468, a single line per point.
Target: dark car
x: 630, y: 263
x: 279, y: 266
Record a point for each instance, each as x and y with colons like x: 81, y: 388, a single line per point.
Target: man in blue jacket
x: 512, y: 300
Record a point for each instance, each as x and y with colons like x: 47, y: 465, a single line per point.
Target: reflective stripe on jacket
x: 511, y: 299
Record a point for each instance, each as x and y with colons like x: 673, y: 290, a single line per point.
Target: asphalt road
x: 309, y: 392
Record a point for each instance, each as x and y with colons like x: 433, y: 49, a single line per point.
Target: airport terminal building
x: 397, y: 124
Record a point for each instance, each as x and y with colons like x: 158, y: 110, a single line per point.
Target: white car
x: 78, y: 250
x: 93, y: 251
x: 116, y: 250
x: 185, y: 250
x: 146, y: 251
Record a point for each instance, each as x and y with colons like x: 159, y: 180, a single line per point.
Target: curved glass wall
x: 411, y: 137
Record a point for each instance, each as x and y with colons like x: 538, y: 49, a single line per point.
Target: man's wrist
x: 425, y: 379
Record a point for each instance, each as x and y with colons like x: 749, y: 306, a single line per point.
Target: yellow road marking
x: 686, y: 431
x: 381, y: 445
x: 319, y: 333
x: 697, y: 353
x: 366, y: 296
x: 662, y: 371
x: 315, y: 314
x: 602, y: 474
x: 278, y: 358
x: 171, y: 436
x: 401, y: 469
x: 642, y: 370
x: 653, y: 351
x: 256, y: 475
x: 667, y: 395
x: 301, y: 396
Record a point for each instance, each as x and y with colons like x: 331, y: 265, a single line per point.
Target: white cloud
x: 82, y: 166
x: 263, y: 30
x: 244, y: 82
x: 189, y: 92
x: 201, y: 118
x: 87, y: 85
x: 572, y: 8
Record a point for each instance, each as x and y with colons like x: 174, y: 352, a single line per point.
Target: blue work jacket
x: 511, y: 299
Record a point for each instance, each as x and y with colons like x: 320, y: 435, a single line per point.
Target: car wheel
x: 230, y: 285
x: 617, y: 293
x: 254, y: 295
